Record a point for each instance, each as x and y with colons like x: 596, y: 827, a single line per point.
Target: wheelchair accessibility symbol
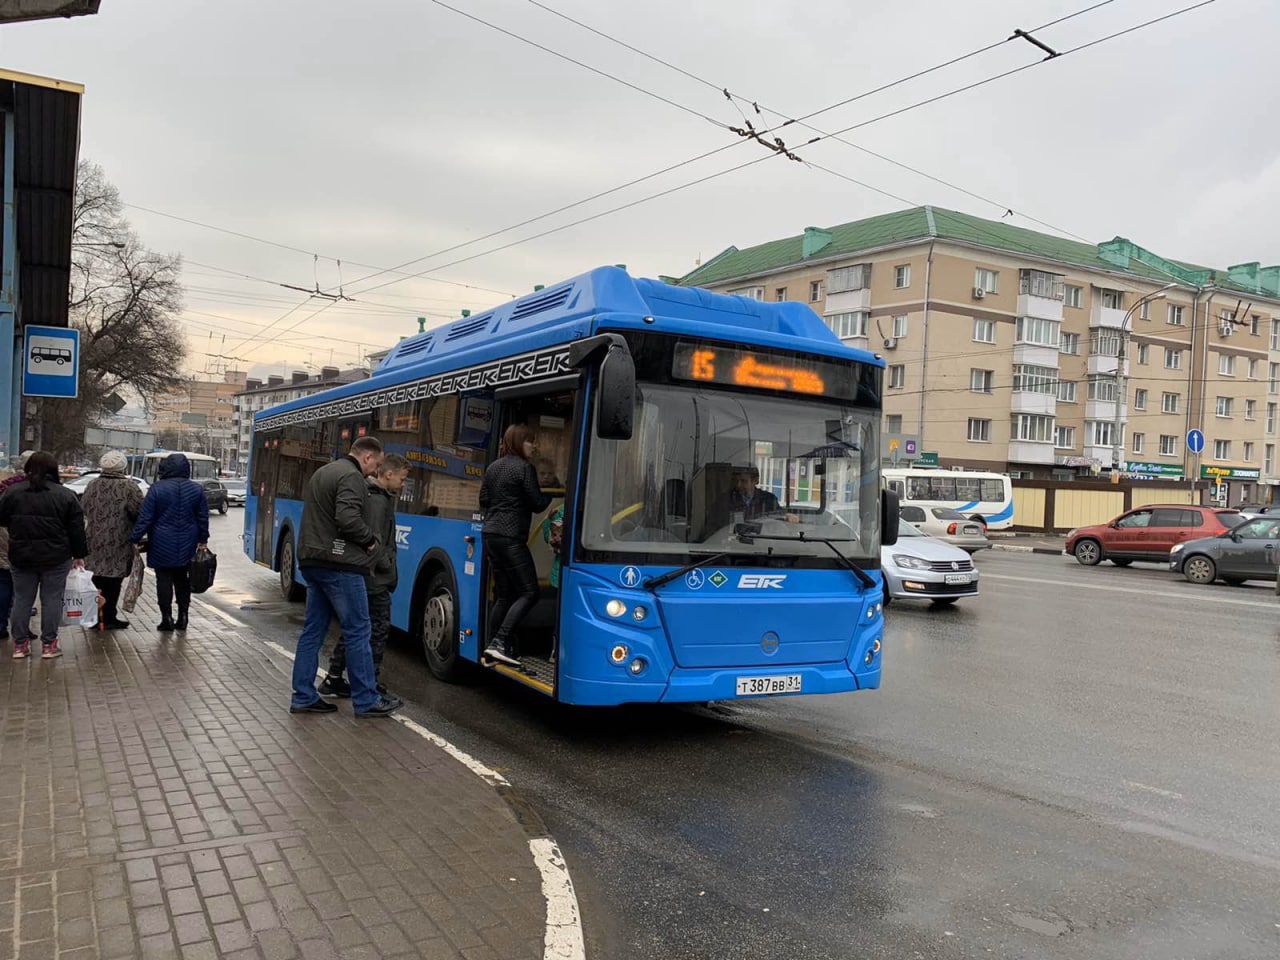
x: 630, y: 576
x: 694, y: 579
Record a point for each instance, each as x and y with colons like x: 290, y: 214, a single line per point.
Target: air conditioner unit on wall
x: 979, y: 293
x: 891, y: 343
x: 1228, y: 328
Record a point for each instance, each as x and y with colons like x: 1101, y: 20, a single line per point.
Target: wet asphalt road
x: 1079, y: 763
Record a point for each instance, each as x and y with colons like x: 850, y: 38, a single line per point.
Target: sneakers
x: 22, y: 650
x: 332, y: 686
x: 384, y: 708
x: 52, y: 650
x: 501, y: 652
x: 316, y: 706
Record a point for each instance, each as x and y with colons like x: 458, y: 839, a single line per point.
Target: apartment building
x: 258, y: 395
x: 197, y: 415
x: 1009, y: 349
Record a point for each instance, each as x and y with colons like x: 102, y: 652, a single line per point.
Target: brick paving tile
x: 158, y: 800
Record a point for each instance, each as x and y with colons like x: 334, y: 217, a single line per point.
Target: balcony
x: 1024, y: 451
x: 1102, y: 365
x: 1104, y: 410
x: 1110, y: 317
x: 1036, y: 354
x: 1104, y: 455
x: 1028, y: 401
x: 849, y: 301
x: 1046, y: 308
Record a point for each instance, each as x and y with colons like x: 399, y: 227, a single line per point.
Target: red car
x: 1147, y: 533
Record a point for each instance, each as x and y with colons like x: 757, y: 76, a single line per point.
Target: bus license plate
x: 959, y: 578
x: 756, y: 686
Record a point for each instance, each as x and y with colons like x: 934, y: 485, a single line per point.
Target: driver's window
x: 1140, y: 519
x: 1258, y: 530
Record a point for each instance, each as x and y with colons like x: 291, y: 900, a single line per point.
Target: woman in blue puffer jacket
x: 175, y: 516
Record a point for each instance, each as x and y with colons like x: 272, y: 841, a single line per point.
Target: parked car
x: 216, y: 494
x: 1258, y: 509
x: 918, y: 567
x: 237, y: 488
x: 1245, y: 552
x: 1148, y: 533
x: 951, y: 526
x: 81, y: 483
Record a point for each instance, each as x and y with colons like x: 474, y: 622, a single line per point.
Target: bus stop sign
x: 51, y: 362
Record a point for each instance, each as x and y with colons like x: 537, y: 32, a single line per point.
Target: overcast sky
x: 381, y: 131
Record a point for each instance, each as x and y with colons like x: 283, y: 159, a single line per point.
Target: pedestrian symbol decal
x: 630, y: 576
x: 694, y: 579
x: 718, y: 579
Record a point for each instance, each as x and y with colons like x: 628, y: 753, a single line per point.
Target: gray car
x: 1249, y: 551
x: 924, y: 568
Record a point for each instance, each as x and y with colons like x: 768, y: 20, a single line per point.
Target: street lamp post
x: 1122, y: 378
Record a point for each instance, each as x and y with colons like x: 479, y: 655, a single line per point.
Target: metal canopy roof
x: 12, y: 11
x: 46, y: 147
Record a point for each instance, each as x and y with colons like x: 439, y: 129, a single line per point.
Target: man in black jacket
x: 336, y: 551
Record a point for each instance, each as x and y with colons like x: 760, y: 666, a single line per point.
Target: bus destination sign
x: 763, y: 370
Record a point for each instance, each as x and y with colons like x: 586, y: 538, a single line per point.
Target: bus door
x: 551, y: 411
x: 262, y: 483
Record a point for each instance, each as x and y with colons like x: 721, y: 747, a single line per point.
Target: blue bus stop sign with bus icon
x: 1195, y: 441
x: 51, y: 362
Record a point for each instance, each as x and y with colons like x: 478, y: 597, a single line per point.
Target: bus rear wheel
x: 290, y: 589
x: 439, y: 626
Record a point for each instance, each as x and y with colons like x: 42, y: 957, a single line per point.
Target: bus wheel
x: 440, y: 629
x: 290, y: 589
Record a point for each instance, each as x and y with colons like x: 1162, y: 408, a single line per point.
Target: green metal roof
x: 927, y: 223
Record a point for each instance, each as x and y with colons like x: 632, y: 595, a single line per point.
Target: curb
x: 1043, y: 551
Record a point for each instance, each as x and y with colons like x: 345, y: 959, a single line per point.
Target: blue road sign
x: 1195, y: 441
x: 51, y: 362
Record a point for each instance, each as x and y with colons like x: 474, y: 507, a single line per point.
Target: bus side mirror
x: 890, y: 517
x: 615, y: 383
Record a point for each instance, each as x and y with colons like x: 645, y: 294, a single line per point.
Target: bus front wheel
x: 440, y: 629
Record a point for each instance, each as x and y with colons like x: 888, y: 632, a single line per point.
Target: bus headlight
x: 639, y: 613
x: 637, y: 666
x: 615, y: 608
x: 618, y: 655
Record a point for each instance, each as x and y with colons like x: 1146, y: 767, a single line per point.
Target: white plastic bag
x: 80, y: 600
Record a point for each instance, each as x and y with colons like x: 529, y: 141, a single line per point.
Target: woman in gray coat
x: 111, y: 506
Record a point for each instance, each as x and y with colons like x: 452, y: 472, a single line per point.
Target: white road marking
x: 563, y: 939
x: 564, y: 927
x: 1172, y: 795
x: 1196, y: 594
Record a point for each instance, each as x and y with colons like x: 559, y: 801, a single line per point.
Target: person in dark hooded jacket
x: 175, y: 518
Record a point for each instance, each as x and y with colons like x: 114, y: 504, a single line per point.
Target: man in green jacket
x: 380, y: 514
x: 336, y: 551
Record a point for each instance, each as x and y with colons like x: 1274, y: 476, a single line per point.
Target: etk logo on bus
x: 761, y: 581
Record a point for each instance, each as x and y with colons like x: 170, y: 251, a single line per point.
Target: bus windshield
x: 702, y: 460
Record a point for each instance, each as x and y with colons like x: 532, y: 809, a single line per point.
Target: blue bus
x: 651, y: 403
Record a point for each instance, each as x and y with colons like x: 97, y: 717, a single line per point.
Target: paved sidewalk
x: 157, y: 799
x: 1042, y: 543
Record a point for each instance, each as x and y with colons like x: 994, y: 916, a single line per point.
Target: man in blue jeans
x: 336, y: 552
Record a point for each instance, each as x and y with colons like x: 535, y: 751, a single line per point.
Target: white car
x: 81, y: 483
x: 918, y: 567
x: 948, y: 525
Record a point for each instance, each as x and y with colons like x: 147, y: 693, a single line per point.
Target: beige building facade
x: 1004, y: 346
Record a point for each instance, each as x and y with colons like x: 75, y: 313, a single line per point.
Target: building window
x: 1047, y: 333
x: 893, y: 423
x: 1255, y: 325
x: 1251, y: 409
x: 1273, y: 375
x: 1275, y: 334
x: 1071, y: 296
x: 1222, y: 449
x: 897, y: 376
x: 1113, y: 299
x: 1028, y: 378
x: 1104, y: 388
x: 1226, y: 365
x: 1145, y: 312
x: 1172, y: 359
x: 1169, y: 402
x: 815, y: 291
x: 1227, y: 318
x: 1032, y: 428
x: 1037, y: 283
x: 1070, y: 344
x: 979, y: 430
x: 1064, y: 438
x: 900, y: 326
x: 1067, y: 391
x: 844, y: 279
x: 1248, y: 451
x: 1175, y: 315
x: 1099, y: 433
x: 779, y: 294
x: 1168, y: 445
x: 984, y: 331
x: 846, y: 325
x: 981, y: 381
x: 1271, y: 419
x: 985, y: 280
x: 1139, y: 443
x: 902, y: 276
x: 1269, y: 458
x: 1140, y: 399
x: 1144, y: 354
x: 751, y: 293
x: 1223, y: 408
x: 1253, y: 368
x: 1105, y: 343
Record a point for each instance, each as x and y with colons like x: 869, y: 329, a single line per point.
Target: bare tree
x: 125, y: 299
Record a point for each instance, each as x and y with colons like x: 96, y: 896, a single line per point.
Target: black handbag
x: 204, y: 567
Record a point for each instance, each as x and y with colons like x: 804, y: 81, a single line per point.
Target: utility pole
x: 1122, y: 381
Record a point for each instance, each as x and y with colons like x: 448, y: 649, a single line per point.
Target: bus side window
x: 897, y: 487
